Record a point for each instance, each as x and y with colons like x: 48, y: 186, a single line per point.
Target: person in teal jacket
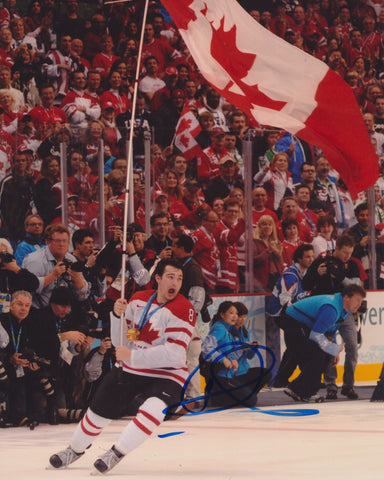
x: 230, y: 380
x: 312, y: 324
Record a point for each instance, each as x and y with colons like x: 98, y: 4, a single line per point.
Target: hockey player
x: 157, y: 330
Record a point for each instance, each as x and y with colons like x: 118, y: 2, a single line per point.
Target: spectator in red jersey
x: 119, y: 100
x: 80, y: 180
x: 10, y: 114
x: 289, y: 209
x: 79, y: 106
x: 164, y: 53
x: 291, y: 240
x: 187, y: 209
x: 170, y: 186
x: 268, y: 255
x: 102, y: 62
x: 206, y: 251
x: 93, y: 84
x: 214, y: 153
x: 228, y: 233
x: 111, y: 133
x: 259, y: 200
x: 46, y: 115
x: 162, y: 95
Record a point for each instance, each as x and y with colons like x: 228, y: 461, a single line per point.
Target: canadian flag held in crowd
x: 277, y: 84
x: 187, y: 129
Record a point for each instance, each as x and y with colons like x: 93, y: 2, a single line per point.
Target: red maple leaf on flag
x: 148, y: 334
x: 184, y: 140
x: 185, y: 124
x: 183, y: 14
x: 237, y: 63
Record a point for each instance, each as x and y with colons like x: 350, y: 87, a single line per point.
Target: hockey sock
x: 87, y: 430
x: 150, y: 415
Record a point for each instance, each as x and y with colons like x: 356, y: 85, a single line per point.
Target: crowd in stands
x: 69, y: 79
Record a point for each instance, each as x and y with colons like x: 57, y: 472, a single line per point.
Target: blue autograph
x: 233, y: 347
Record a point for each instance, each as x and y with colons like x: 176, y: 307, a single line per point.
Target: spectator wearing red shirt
x: 164, y: 53
x: 259, y: 200
x: 291, y: 240
x: 46, y: 114
x: 228, y: 233
x: 102, y: 62
x: 206, y: 251
x: 119, y: 100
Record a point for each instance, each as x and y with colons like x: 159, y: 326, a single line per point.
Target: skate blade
x: 96, y: 473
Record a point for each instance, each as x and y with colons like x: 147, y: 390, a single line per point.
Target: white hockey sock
x: 150, y: 415
x: 90, y: 427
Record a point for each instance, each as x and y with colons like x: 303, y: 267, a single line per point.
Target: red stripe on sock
x: 141, y: 426
x: 87, y: 432
x: 150, y: 417
x: 90, y: 423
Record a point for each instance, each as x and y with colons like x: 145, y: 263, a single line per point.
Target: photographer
x: 329, y: 275
x: 17, y: 368
x: 51, y: 265
x: 140, y: 260
x: 12, y: 277
x: 56, y: 336
x: 92, y: 267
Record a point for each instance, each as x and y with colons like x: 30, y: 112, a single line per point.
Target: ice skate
x: 108, y: 460
x: 64, y: 458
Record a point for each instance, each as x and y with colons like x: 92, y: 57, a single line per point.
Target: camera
x: 67, y: 263
x: 130, y: 233
x: 32, y: 357
x: 6, y: 257
x: 90, y: 327
x: 335, y: 269
x: 363, y: 307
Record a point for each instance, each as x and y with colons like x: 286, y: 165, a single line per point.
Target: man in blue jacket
x: 310, y: 333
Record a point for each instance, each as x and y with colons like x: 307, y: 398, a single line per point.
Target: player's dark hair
x: 172, y: 262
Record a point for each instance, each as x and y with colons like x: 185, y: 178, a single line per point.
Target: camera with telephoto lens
x: 32, y: 357
x: 334, y: 268
x: 75, y: 266
x: 6, y: 257
x: 90, y: 326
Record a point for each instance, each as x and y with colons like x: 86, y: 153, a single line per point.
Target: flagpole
x: 128, y: 192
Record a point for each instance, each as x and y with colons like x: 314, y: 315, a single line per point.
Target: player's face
x: 169, y: 283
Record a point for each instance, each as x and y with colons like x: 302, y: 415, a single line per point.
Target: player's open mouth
x: 171, y: 291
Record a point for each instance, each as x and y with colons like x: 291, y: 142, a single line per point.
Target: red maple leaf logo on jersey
x: 237, y: 63
x: 148, y: 334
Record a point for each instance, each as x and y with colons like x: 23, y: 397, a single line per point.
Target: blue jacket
x: 220, y: 343
x: 322, y: 314
x: 288, y: 289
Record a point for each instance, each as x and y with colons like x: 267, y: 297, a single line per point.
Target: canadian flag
x: 187, y: 129
x: 277, y: 84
